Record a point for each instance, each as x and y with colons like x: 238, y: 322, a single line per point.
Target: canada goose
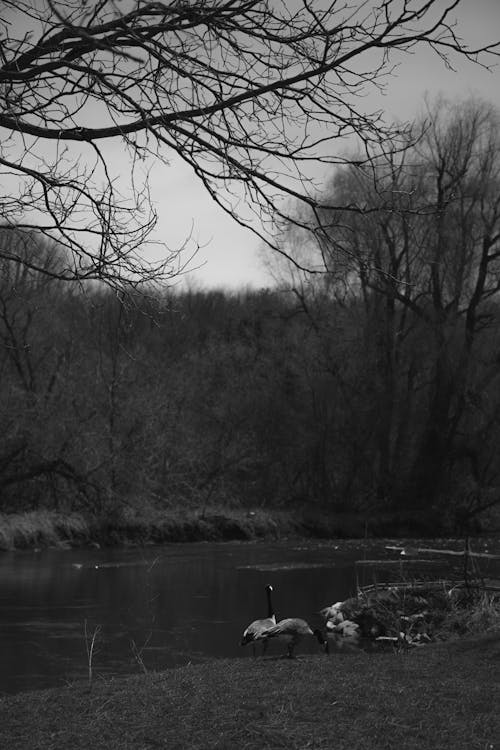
x: 293, y: 630
x: 257, y: 627
x: 333, y: 613
x: 363, y: 624
x: 346, y: 628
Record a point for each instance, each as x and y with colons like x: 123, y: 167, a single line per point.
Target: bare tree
x: 249, y: 93
x: 422, y: 266
x: 38, y: 318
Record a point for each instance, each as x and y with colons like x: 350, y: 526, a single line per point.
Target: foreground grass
x: 436, y: 697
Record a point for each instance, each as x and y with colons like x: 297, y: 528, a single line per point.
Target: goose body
x: 346, y: 629
x: 362, y: 625
x: 333, y: 613
x: 256, y: 628
x: 292, y: 630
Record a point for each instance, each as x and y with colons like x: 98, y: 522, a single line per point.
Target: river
x: 157, y: 607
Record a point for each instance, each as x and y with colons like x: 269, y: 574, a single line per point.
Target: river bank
x: 50, y: 529
x: 42, y: 529
x: 433, y: 698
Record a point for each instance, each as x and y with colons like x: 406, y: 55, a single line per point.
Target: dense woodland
x: 371, y: 385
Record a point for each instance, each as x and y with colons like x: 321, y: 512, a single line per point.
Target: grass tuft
x: 41, y: 529
x: 481, y: 614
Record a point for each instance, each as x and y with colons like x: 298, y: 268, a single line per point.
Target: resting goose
x: 254, y: 631
x: 293, y: 630
x: 333, y: 613
x: 343, y: 635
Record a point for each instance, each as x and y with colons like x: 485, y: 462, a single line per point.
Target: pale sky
x: 230, y: 258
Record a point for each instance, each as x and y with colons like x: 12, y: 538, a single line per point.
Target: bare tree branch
x: 247, y: 92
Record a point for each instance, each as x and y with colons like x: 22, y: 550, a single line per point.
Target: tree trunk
x: 429, y: 471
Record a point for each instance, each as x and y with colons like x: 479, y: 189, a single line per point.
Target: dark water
x: 174, y: 604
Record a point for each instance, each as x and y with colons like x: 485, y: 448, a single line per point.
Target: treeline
x: 185, y: 399
x: 370, y: 387
x: 208, y: 398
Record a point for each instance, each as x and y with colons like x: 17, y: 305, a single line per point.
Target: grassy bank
x: 41, y: 529
x: 437, y: 697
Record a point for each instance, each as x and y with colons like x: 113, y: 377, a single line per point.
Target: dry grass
x: 482, y: 615
x: 145, y: 524
x: 436, y: 698
x: 428, y: 610
x: 41, y: 529
x: 37, y: 529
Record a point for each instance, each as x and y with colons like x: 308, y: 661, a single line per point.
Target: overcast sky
x: 230, y: 257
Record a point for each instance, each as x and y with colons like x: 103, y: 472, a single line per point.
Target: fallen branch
x: 430, y: 550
